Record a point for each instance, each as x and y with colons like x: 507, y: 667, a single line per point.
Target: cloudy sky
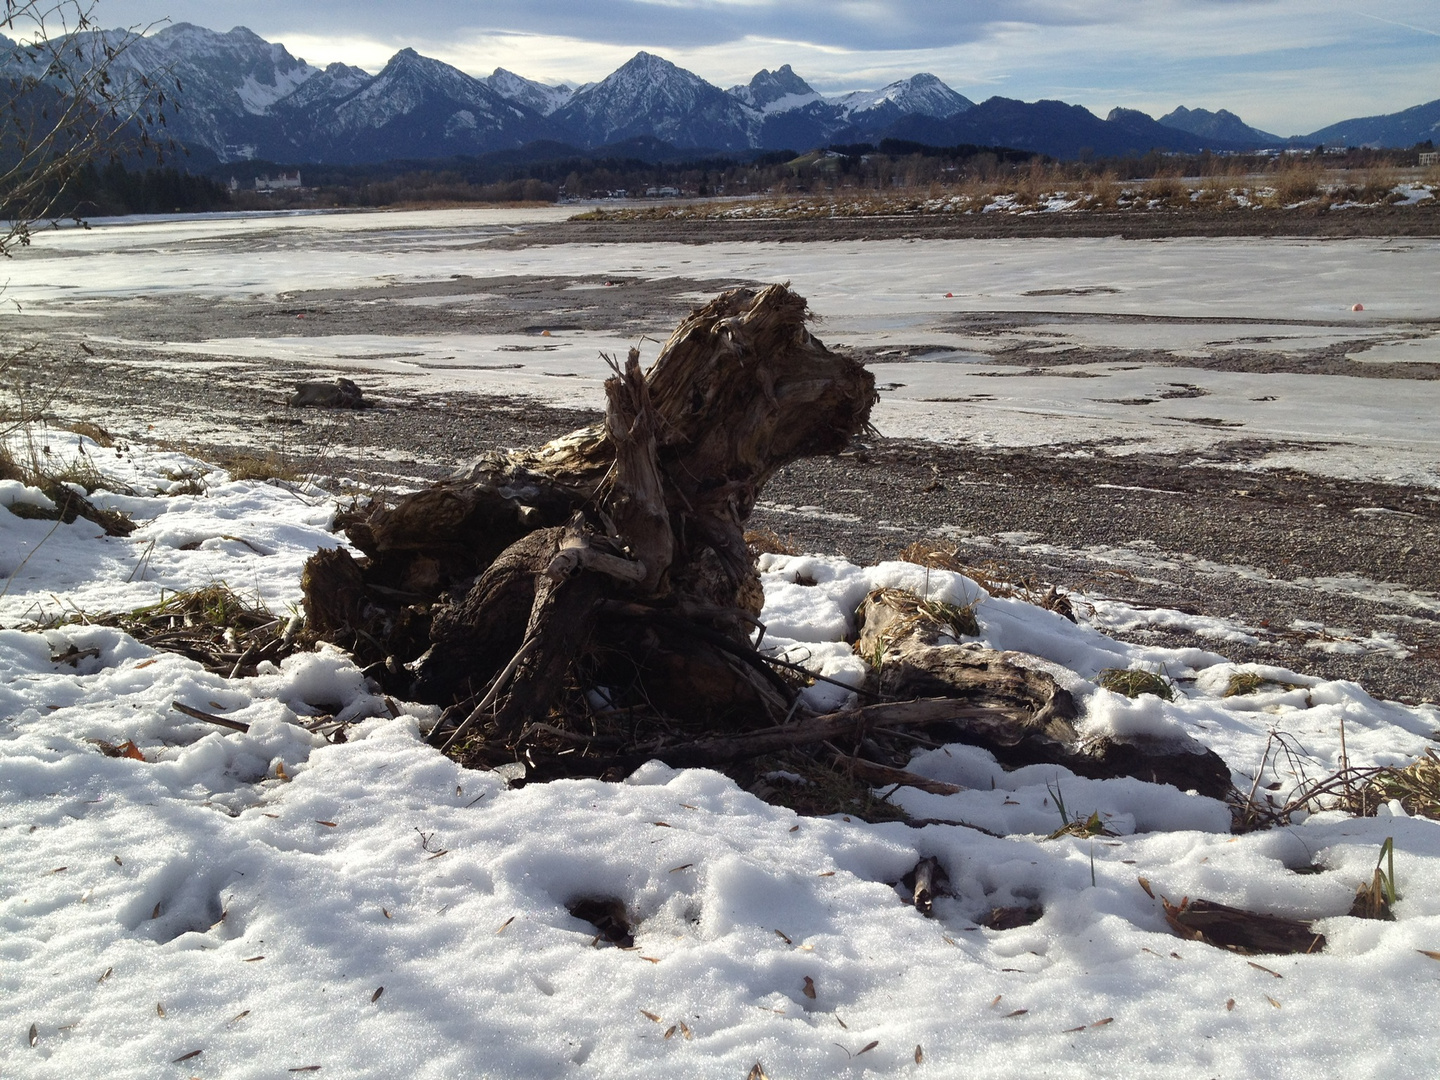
x: 1287, y: 66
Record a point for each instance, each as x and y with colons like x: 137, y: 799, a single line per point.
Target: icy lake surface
x: 1206, y: 301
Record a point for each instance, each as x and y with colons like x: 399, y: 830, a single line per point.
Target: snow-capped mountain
x: 775, y: 91
x: 228, y: 84
x: 795, y: 116
x: 421, y: 107
x: 536, y: 96
x: 919, y: 95
x: 651, y: 96
x: 242, y: 97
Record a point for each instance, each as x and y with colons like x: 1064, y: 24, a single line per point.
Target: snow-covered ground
x: 1185, y: 301
x: 243, y: 904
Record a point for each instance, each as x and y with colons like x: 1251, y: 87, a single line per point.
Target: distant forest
x: 531, y: 175
x: 549, y: 173
x: 113, y: 189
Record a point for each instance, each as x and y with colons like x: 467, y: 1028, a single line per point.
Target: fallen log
x: 914, y: 642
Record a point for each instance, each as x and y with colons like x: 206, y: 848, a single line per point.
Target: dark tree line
x: 114, y: 189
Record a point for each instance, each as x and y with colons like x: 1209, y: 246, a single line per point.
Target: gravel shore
x: 1306, y: 565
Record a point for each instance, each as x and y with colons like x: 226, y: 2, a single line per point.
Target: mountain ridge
x: 248, y: 98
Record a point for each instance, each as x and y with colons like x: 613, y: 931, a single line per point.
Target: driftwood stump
x: 592, y: 604
x: 606, y: 572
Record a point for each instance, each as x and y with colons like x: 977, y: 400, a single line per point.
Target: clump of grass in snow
x: 225, y: 632
x: 1374, y: 898
x: 938, y: 557
x: 1084, y: 828
x: 270, y: 467
x: 959, y: 617
x: 1243, y: 683
x: 958, y: 620
x: 185, y: 481
x: 1417, y: 785
x: 990, y: 576
x: 62, y: 480
x: 1132, y: 682
x: 80, y: 472
x: 763, y: 541
x: 94, y: 432
x: 822, y: 791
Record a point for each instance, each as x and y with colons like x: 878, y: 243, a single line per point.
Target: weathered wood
x: 720, y: 750
x: 209, y: 718
x: 591, y: 605
x: 886, y: 776
x: 908, y: 637
x: 635, y: 501
x: 924, y: 884
x: 1248, y: 933
x: 665, y: 485
x: 476, y: 637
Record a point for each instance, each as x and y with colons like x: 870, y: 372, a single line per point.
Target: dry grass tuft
x: 1417, y: 786
x: 996, y: 579
x: 271, y: 467
x: 10, y: 469
x: 1243, y: 683
x: 933, y: 555
x: 957, y: 620
x: 1297, y: 181
x: 1132, y: 682
x: 80, y: 472
x: 990, y: 576
x: 185, y: 481
x: 766, y: 541
x: 94, y: 432
x: 822, y: 791
x: 62, y: 485
x: 1104, y: 192
x: 1167, y: 191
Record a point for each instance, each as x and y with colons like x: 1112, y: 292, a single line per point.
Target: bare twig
x: 210, y: 718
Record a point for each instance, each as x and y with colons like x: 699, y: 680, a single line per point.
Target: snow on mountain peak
x: 775, y: 91
x: 923, y: 94
x: 544, y: 99
x: 650, y: 96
